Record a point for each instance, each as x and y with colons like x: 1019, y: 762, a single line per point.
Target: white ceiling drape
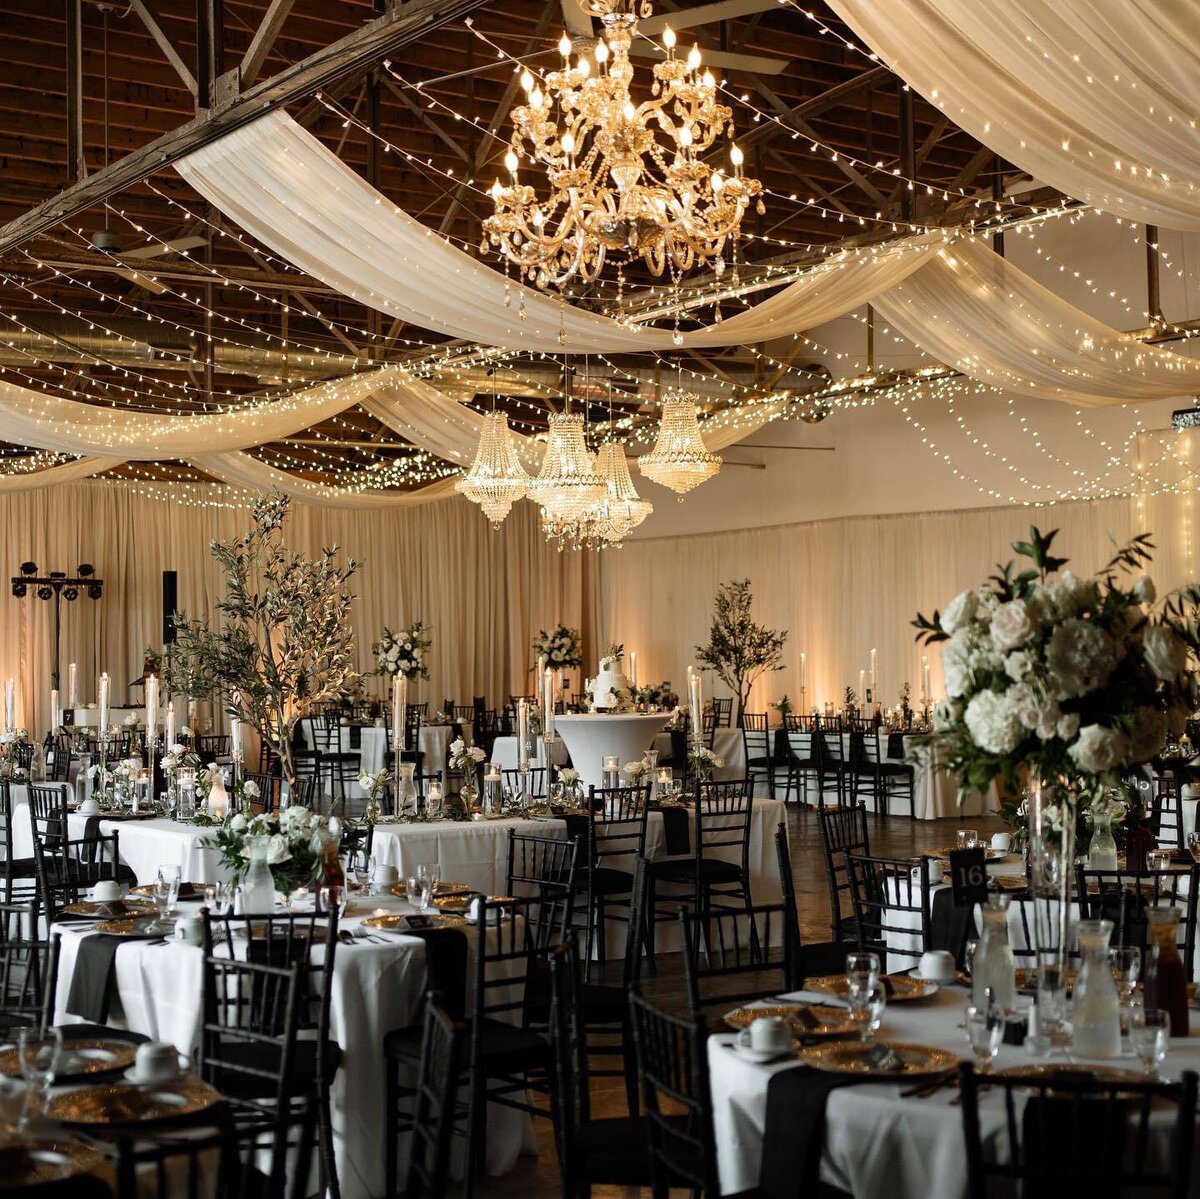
x: 290, y: 192
x: 973, y: 310
x: 1096, y: 99
x: 51, y: 476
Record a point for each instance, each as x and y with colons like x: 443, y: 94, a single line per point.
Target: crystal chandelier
x: 610, y: 519
x: 679, y: 460
x: 496, y: 479
x: 624, y: 178
x: 567, y: 485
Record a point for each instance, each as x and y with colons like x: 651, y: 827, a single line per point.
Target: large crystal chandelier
x: 496, y: 479
x: 679, y: 460
x: 567, y: 485
x: 624, y: 177
x: 610, y: 519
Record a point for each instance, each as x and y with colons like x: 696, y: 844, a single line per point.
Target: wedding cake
x: 610, y: 688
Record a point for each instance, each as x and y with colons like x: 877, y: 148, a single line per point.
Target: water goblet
x: 412, y: 888
x: 1193, y: 844
x: 172, y: 875
x: 867, y: 1005
x: 970, y: 838
x: 985, y: 1031
x: 1125, y: 962
x: 1149, y: 1035
x: 39, y: 1056
x: 1158, y: 860
x: 960, y: 839
x: 431, y: 871
x: 862, y: 971
x: 969, y: 948
x: 364, y: 875
x: 424, y: 895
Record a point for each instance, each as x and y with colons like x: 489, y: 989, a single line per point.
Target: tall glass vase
x: 1051, y: 863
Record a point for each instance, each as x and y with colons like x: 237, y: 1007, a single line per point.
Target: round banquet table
x: 591, y: 738
x: 876, y: 1141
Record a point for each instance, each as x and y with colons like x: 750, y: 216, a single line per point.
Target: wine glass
x: 160, y: 893
x: 171, y: 875
x: 862, y: 971
x: 1149, y: 1035
x: 985, y: 1031
x: 364, y: 875
x: 970, y: 838
x: 1125, y: 962
x: 38, y: 1056
x: 867, y: 1004
x: 1193, y: 844
x: 424, y: 894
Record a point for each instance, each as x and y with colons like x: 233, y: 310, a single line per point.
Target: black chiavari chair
x: 843, y: 831
x: 434, y: 1103
x: 617, y: 818
x: 874, y: 773
x: 28, y: 969
x: 803, y: 756
x: 68, y: 869
x: 17, y: 872
x: 212, y: 746
x: 537, y: 782
x: 758, y: 744
x: 880, y: 888
x: 816, y: 958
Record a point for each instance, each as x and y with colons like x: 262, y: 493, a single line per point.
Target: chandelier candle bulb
x: 72, y: 684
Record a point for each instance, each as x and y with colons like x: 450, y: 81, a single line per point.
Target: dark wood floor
x: 537, y: 1177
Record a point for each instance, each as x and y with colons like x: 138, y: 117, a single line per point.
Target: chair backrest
x: 751, y: 948
x: 829, y: 724
x: 49, y: 803
x: 723, y: 712
x: 462, y: 712
x: 803, y: 741
x: 60, y: 749
x: 357, y: 845
x: 325, y: 732
x: 212, y: 746
x: 1123, y: 896
x: 833, y: 748
x: 724, y: 811
x: 67, y: 870
x: 1078, y: 1134
x: 6, y: 829
x: 28, y: 969
x: 881, y: 888
x: 570, y: 1091
x: 436, y: 1086
x: 617, y: 821
x: 865, y: 746
x: 540, y: 865
x: 672, y: 1064
x: 843, y: 830
x: 269, y: 787
x: 537, y: 782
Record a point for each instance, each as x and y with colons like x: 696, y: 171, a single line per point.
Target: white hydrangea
x: 1080, y: 657
x: 993, y: 723
x: 1099, y: 749
x: 957, y: 671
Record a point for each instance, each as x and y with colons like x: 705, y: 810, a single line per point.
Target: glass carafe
x: 1095, y: 1005
x: 1164, y: 980
x: 1102, y: 849
x: 258, y: 884
x: 406, y: 791
x: 992, y: 965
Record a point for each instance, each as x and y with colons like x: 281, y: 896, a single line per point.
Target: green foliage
x: 738, y: 649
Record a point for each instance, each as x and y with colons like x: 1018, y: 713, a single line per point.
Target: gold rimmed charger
x: 128, y: 926
x: 35, y: 1162
x: 129, y: 1103
x: 853, y: 1057
x: 78, y: 1059
x: 109, y: 908
x: 901, y: 988
x: 804, y: 1019
x: 1009, y: 882
x: 1041, y: 1072
x: 398, y: 922
x: 401, y: 889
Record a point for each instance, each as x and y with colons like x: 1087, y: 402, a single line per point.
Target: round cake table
x: 591, y: 738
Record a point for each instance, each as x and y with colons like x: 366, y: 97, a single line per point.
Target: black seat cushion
x: 604, y: 1004
x: 614, y: 1151
x: 683, y: 870
x: 18, y: 868
x: 507, y: 1049
x: 608, y: 880
x: 89, y: 1032
x: 266, y: 1057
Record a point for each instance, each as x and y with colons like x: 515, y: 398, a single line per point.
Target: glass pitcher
x: 992, y: 966
x: 258, y: 884
x: 1095, y: 1006
x: 406, y: 791
x: 1102, y: 849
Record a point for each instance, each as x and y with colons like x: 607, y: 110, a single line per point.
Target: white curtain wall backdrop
x: 484, y: 593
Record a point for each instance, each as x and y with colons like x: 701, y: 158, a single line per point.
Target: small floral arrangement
x: 783, y: 706
x: 132, y: 721
x: 678, y: 719
x: 465, y: 758
x: 850, y: 700
x: 10, y: 763
x: 403, y: 652
x: 658, y: 695
x: 118, y: 776
x: 292, y: 852
x: 374, y: 783
x: 635, y: 770
x: 178, y: 755
x: 569, y: 775
x: 11, y: 737
x: 906, y: 711
x: 560, y: 647
x: 703, y: 761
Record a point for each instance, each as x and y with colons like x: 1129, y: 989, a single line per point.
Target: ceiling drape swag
x: 1097, y: 100
x: 51, y: 476
x: 973, y: 310
x: 287, y: 190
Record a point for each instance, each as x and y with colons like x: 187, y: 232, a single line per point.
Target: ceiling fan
x: 577, y: 16
x: 109, y: 243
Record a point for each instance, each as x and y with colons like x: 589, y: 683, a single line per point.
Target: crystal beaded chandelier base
x: 612, y: 518
x: 567, y: 485
x: 496, y: 479
x: 679, y: 459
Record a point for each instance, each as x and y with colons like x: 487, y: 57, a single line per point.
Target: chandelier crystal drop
x: 679, y: 460
x: 567, y: 485
x: 626, y: 178
x: 496, y: 479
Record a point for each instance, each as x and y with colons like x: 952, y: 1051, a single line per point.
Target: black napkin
x: 794, y: 1136
x: 895, y: 745
x: 950, y: 926
x: 445, y: 965
x: 677, y: 832
x: 92, y: 981
x: 355, y: 737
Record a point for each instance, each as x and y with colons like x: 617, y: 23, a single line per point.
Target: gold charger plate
x: 78, y: 1059
x: 126, y: 1103
x: 186, y: 890
x: 1100, y: 1074
x: 989, y: 854
x: 904, y: 987
x: 397, y: 922
x: 126, y: 926
x: 91, y: 907
x: 1010, y: 882
x: 805, y: 1019
x: 849, y: 1057
x: 401, y: 889
x: 35, y: 1162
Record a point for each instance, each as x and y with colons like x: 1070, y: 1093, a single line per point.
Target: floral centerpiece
x: 403, y: 652
x: 293, y: 851
x: 375, y: 784
x: 702, y: 761
x: 116, y: 779
x: 656, y: 695
x: 560, y: 647
x: 465, y: 758
x: 1062, y: 683
x: 12, y: 754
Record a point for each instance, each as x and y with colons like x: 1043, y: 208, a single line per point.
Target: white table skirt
x: 376, y: 987
x: 591, y: 738
x: 504, y: 753
x: 877, y: 1143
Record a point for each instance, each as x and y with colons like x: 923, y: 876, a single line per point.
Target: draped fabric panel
x: 485, y: 593
x: 280, y: 184
x: 32, y: 418
x: 973, y: 310
x: 1095, y: 99
x: 51, y: 476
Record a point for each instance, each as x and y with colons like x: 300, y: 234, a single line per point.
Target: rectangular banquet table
x: 376, y: 987
x: 876, y: 1142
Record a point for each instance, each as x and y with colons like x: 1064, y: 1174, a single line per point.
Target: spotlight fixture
x: 57, y: 585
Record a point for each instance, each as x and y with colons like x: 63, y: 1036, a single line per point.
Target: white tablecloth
x: 592, y: 738
x: 504, y: 753
x: 877, y: 1143
x: 376, y: 987
x: 434, y: 745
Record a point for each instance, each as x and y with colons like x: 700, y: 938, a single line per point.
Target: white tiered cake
x: 610, y: 688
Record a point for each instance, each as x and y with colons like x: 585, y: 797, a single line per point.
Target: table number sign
x: 968, y: 876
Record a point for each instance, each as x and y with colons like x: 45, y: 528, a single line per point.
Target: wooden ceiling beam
x: 165, y: 44
x: 356, y: 52
x: 264, y: 39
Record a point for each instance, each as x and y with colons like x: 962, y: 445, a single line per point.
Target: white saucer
x: 758, y: 1056
x: 933, y: 982
x: 132, y: 1075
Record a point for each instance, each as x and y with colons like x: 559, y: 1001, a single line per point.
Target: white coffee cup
x: 156, y: 1061
x: 1002, y: 842
x: 106, y: 891
x: 89, y: 807
x: 933, y: 871
x: 767, y: 1034
x: 386, y: 876
x: 937, y: 966
x: 189, y: 930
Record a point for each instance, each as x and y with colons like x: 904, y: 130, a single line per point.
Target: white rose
x: 1018, y: 665
x: 1165, y: 652
x: 1144, y: 590
x: 1068, y: 726
x: 1025, y: 705
x: 1099, y: 749
x: 250, y: 789
x: 1011, y: 625
x: 477, y: 755
x: 992, y: 723
x: 456, y: 747
x: 959, y: 612
x: 238, y: 824
x: 1048, y: 718
x: 957, y: 672
x: 277, y: 850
